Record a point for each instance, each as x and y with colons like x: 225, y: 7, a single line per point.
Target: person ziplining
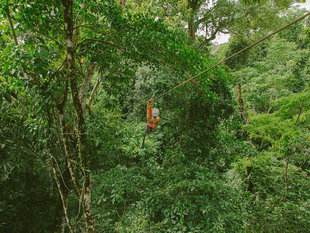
x: 153, y: 114
x: 152, y: 117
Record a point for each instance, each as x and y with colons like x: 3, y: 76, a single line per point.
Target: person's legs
x: 156, y: 120
x: 147, y: 129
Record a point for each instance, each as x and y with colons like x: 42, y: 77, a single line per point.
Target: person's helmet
x: 155, y: 112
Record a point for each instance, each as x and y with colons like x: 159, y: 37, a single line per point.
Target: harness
x: 151, y: 125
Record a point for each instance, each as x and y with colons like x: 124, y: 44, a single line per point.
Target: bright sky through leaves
x: 223, y: 38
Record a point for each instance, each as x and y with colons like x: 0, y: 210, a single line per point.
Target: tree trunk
x: 191, y: 7
x: 83, y: 150
x: 191, y: 29
x: 11, y: 25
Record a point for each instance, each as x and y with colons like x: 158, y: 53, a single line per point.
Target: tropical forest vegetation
x: 231, y: 152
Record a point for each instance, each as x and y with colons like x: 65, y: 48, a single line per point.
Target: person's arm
x: 148, y: 116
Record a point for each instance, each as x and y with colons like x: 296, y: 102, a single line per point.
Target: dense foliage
x: 231, y: 152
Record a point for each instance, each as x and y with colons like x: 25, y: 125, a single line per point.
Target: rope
x: 235, y: 54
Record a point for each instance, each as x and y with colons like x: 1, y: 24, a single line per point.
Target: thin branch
x: 227, y: 32
x: 53, y: 75
x: 85, y: 85
x: 35, y: 80
x: 212, y: 37
x: 92, y: 95
x: 64, y: 204
x: 59, y: 171
x: 61, y: 146
x: 12, y: 26
x: 207, y: 15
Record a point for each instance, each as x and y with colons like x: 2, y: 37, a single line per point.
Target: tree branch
x: 212, y: 37
x: 85, y: 85
x: 61, y: 193
x: 53, y: 74
x: 92, y: 95
x: 35, y: 80
x: 12, y: 26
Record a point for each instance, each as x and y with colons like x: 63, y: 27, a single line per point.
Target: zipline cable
x: 235, y: 54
